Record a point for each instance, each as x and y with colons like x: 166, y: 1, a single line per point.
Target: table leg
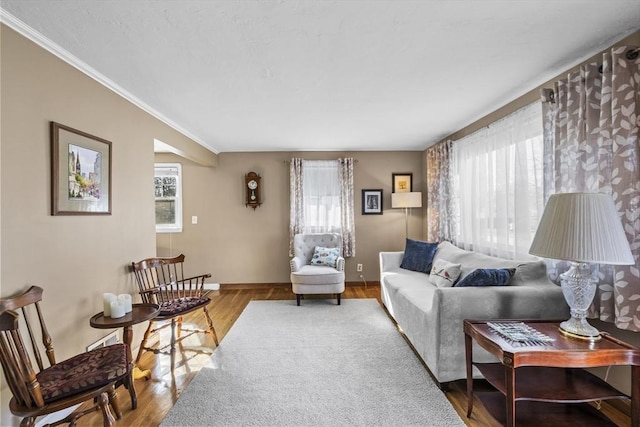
x: 510, y: 383
x: 468, y: 350
x: 127, y: 336
x: 635, y: 395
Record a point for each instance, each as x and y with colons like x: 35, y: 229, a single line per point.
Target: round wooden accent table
x: 139, y: 313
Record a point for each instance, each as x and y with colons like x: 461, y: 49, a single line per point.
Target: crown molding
x: 53, y: 48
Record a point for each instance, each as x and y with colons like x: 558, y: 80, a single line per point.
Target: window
x: 498, y: 184
x: 168, y: 192
x: 321, y: 196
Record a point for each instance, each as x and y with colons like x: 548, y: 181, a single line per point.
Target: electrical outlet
x: 194, y: 219
x: 359, y: 267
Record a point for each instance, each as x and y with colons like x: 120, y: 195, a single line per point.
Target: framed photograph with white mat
x: 371, y: 202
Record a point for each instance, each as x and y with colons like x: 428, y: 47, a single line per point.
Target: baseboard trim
x: 236, y: 286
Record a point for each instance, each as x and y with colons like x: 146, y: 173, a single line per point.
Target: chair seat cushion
x: 317, y: 275
x: 83, y: 372
x: 182, y: 305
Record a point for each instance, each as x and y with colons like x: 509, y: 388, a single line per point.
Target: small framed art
x: 80, y: 172
x: 402, y: 182
x: 371, y: 202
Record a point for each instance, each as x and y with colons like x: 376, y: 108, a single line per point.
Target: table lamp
x: 581, y: 228
x: 406, y: 200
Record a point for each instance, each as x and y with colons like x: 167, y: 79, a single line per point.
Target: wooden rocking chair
x: 161, y: 281
x: 38, y: 390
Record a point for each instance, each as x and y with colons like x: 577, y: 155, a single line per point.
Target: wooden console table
x: 540, y: 375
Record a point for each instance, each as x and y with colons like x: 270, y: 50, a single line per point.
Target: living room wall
x: 74, y: 258
x: 238, y: 245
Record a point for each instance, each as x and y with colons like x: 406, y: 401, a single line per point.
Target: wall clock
x: 253, y: 190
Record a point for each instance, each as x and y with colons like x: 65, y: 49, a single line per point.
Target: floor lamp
x: 406, y: 201
x: 581, y: 228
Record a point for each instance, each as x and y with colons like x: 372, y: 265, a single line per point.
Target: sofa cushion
x: 418, y: 255
x: 487, y: 277
x: 444, y: 273
x: 325, y: 256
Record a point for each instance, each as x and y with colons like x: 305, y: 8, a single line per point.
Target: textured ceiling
x: 268, y: 75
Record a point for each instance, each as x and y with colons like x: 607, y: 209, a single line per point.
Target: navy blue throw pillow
x: 487, y: 277
x: 418, y: 255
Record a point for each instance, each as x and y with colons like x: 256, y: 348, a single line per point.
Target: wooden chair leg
x: 298, y: 299
x: 212, y: 330
x: 144, y: 342
x: 107, y: 417
x: 173, y: 342
x: 114, y: 402
x: 338, y: 298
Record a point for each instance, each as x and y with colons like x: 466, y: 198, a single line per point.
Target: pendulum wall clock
x: 253, y: 190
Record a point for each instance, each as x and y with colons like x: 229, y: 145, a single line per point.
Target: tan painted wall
x: 239, y: 245
x: 74, y: 258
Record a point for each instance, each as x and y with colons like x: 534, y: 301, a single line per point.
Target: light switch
x: 194, y: 219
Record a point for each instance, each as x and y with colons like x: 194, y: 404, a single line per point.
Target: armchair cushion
x: 83, y: 372
x: 325, y: 256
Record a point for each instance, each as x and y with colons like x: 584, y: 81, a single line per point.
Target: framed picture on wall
x: 80, y: 172
x: 402, y: 182
x: 371, y: 202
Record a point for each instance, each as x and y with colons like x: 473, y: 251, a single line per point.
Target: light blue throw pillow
x: 487, y: 277
x: 325, y: 256
x: 418, y: 255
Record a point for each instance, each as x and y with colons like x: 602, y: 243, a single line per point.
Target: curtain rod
x: 289, y: 161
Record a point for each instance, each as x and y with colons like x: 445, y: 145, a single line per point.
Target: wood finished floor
x: 157, y: 395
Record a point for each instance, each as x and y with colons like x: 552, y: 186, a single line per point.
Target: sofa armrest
x: 340, y: 264
x: 390, y: 261
x: 296, y: 264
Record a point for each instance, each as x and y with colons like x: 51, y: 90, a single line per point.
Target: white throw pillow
x: 325, y: 256
x: 444, y: 273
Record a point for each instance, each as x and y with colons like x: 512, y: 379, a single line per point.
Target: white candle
x: 107, y: 299
x: 117, y: 309
x: 125, y: 299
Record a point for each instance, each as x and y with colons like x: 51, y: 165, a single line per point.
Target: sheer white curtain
x: 498, y: 185
x: 321, y: 196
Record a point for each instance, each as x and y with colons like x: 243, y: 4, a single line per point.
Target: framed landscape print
x: 80, y: 172
x: 402, y: 182
x: 371, y: 202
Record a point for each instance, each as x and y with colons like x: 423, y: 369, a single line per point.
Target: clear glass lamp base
x: 579, y: 289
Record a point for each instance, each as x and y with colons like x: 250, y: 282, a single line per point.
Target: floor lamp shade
x: 581, y: 228
x: 406, y: 201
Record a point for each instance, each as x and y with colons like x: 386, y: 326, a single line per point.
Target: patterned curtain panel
x: 591, y: 127
x: 347, y: 208
x: 440, y: 201
x: 296, y: 209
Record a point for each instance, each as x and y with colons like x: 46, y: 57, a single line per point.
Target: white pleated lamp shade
x: 406, y: 200
x: 582, y: 227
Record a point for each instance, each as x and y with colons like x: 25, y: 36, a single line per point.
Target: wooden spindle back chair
x: 41, y: 386
x: 161, y: 281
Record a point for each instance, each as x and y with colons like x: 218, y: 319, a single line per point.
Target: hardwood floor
x: 157, y: 395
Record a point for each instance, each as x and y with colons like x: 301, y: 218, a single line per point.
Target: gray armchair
x: 322, y: 274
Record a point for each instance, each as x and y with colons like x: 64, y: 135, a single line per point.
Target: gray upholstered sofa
x: 431, y: 317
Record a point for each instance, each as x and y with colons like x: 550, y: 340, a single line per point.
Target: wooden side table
x: 139, y: 313
x: 549, y: 372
